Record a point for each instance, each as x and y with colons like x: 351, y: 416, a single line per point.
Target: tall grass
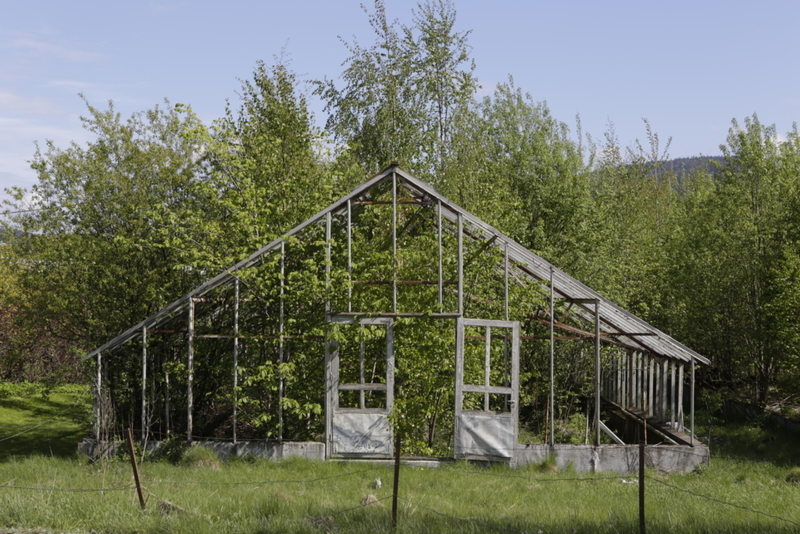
x: 303, y: 496
x: 197, y: 493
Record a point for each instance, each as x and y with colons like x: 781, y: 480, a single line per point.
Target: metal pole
x: 235, y: 354
x: 597, y: 370
x: 98, y: 413
x: 281, y: 328
x: 349, y: 257
x: 439, y: 239
x: 460, y: 264
x: 487, y: 362
x: 190, y: 369
x: 135, y: 467
x: 328, y: 262
x: 691, y: 408
x: 361, y: 373
x: 144, y: 384
x: 396, y: 482
x: 394, y: 242
x: 505, y: 316
x: 642, y: 442
x: 552, y: 361
x: 166, y: 403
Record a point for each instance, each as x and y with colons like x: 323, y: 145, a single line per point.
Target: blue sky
x: 688, y: 67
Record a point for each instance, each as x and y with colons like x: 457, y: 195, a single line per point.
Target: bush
x: 197, y: 457
x: 794, y: 476
x: 170, y: 450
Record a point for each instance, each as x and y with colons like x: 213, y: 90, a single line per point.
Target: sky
x: 688, y: 67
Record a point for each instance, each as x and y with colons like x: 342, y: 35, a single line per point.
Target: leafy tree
x: 736, y: 262
x: 403, y: 93
x: 98, y: 235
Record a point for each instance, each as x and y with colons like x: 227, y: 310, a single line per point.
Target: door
x: 487, y: 389
x: 360, y: 388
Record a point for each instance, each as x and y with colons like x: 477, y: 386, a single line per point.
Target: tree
x: 402, y: 94
x: 99, y: 237
x: 736, y: 263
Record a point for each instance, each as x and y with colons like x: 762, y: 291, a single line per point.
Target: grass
x: 297, y: 496
x: 63, y: 415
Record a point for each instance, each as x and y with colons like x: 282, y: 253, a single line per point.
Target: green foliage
x: 735, y: 260
x: 402, y: 94
x: 198, y: 457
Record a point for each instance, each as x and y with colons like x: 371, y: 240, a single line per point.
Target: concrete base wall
x: 621, y: 459
x: 261, y: 449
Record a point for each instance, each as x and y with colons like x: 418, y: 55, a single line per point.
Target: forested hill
x: 685, y: 166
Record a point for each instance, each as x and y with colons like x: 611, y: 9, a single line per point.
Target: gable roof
x: 624, y: 328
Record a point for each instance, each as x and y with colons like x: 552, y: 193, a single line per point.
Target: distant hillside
x: 684, y: 166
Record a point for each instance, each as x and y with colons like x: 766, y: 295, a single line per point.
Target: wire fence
x: 480, y: 475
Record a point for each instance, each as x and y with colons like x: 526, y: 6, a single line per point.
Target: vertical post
x: 396, y: 482
x: 439, y: 239
x: 679, y: 411
x: 394, y: 242
x: 328, y: 399
x: 691, y: 407
x: 235, y: 354
x: 641, y: 477
x: 281, y: 327
x: 673, y: 397
x: 135, y: 467
x: 190, y: 370
x: 98, y: 408
x: 487, y: 362
x: 144, y: 384
x: 505, y: 316
x: 361, y: 371
x: 664, y: 390
x: 552, y: 360
x: 650, y: 398
x: 597, y: 371
x: 166, y: 403
x: 349, y: 257
x: 328, y: 262
x: 460, y: 264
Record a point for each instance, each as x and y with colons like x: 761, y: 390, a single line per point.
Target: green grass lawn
x: 47, y: 487
x: 63, y: 416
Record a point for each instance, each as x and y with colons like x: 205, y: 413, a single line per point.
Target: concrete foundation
x: 621, y: 459
x: 224, y: 450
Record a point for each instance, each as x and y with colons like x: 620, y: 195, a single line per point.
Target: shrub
x: 197, y: 457
x: 794, y: 476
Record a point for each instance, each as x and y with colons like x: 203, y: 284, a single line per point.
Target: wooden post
x: 129, y: 435
x: 396, y: 482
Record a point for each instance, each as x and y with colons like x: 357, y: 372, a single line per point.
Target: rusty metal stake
x: 135, y: 466
x: 396, y: 479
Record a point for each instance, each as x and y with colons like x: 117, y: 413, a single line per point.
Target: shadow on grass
x: 47, y: 426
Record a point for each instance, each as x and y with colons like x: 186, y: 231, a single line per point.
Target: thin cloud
x: 15, y: 104
x: 58, y: 51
